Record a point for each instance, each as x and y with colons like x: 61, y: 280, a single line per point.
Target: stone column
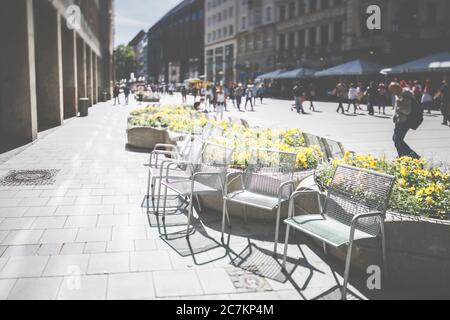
x: 95, y: 77
x: 18, y: 120
x: 81, y: 67
x: 49, y: 89
x: 89, y: 74
x: 70, y: 83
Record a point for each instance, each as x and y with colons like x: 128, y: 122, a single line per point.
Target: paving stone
x: 35, y: 289
x: 83, y: 288
x: 20, y: 251
x: 108, y: 263
x: 94, y: 234
x: 131, y: 286
x: 49, y: 222
x: 81, y: 222
x: 46, y: 211
x: 145, y: 245
x: 95, y: 247
x: 120, y: 246
x: 16, y: 212
x: 59, y: 236
x: 49, y: 249
x: 24, y: 267
x: 176, y: 283
x: 66, y: 265
x: 113, y: 220
x: 72, y: 248
x: 216, y: 281
x: 5, y: 287
x: 150, y: 261
x: 129, y: 233
x: 24, y: 237
x: 16, y: 223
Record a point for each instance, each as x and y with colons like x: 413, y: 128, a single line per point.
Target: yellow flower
x: 403, y: 171
x: 429, y: 201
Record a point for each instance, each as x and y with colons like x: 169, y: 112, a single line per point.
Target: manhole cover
x: 248, y: 282
x: 29, y: 178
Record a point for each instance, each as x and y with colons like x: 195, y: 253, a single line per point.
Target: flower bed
x: 239, y: 137
x: 149, y: 97
x: 420, y: 189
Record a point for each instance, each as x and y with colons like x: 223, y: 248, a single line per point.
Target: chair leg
x: 153, y: 189
x: 277, y: 230
x: 224, y: 213
x: 191, y: 199
x: 159, y: 196
x: 199, y: 203
x: 347, y: 270
x: 165, y: 203
x: 384, y: 251
x: 286, y: 244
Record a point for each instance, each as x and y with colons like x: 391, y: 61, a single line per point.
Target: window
x: 231, y: 30
x: 291, y: 44
x: 291, y: 10
x: 337, y: 32
x: 282, y: 42
x: 301, y: 7
x: 282, y: 13
x: 324, y: 35
x: 268, y: 14
x: 312, y: 37
x: 301, y: 39
x: 244, y: 23
x: 432, y: 11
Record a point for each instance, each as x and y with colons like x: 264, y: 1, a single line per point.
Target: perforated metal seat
x: 256, y: 199
x: 326, y: 229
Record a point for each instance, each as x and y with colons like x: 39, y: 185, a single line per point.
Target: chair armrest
x: 284, y: 185
x: 358, y: 217
x: 156, y: 153
x: 239, y: 175
x: 164, y: 145
x: 170, y: 164
x: 296, y: 194
x: 199, y: 174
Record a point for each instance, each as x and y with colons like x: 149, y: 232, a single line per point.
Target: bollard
x: 84, y: 107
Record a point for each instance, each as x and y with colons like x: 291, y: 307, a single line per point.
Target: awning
x: 296, y: 74
x: 352, y: 68
x: 269, y: 76
x: 436, y: 62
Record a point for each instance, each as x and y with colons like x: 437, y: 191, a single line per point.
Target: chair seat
x: 326, y: 229
x: 183, y: 187
x: 254, y: 199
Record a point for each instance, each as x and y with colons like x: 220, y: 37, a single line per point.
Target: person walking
x: 116, y: 94
x: 311, y: 97
x: 427, y: 98
x: 127, y: 92
x: 382, y: 98
x: 341, y: 93
x: 232, y: 94
x: 444, y: 95
x: 372, y: 98
x: 208, y: 99
x: 239, y: 92
x: 249, y: 97
x: 141, y: 94
x: 255, y: 93
x: 408, y: 115
x: 221, y: 103
x: 360, y: 93
x: 417, y: 90
x: 261, y: 92
x: 184, y: 94
x: 352, y: 97
x: 299, y: 97
x: 195, y: 93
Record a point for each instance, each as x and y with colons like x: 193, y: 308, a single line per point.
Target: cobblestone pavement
x: 78, y: 230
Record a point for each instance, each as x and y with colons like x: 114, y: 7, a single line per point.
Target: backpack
x: 415, y: 119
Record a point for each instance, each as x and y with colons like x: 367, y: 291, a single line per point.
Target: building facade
x: 324, y: 33
x: 220, y: 40
x: 176, y: 44
x: 140, y: 48
x: 56, y: 53
x: 256, y: 34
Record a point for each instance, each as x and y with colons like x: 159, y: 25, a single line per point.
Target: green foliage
x: 125, y: 61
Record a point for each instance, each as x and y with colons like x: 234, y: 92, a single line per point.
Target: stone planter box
x: 147, y: 138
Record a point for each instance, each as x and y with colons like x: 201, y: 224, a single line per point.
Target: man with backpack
x: 408, y: 115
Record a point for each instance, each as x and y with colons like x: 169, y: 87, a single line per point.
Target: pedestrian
x: 444, y: 95
x: 127, y: 91
x: 261, y: 92
x: 299, y: 97
x: 372, y: 98
x: 311, y: 97
x: 232, y: 94
x: 208, y: 99
x: 360, y: 94
x: 140, y: 94
x: 255, y: 94
x: 214, y: 96
x: 184, y: 94
x: 221, y: 102
x: 341, y: 93
x: 417, y: 90
x: 116, y: 94
x: 408, y: 115
x: 195, y: 93
x: 249, y: 97
x: 427, y: 98
x: 352, y: 97
x: 239, y: 92
x: 382, y: 98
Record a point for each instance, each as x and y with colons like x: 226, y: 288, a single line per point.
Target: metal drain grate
x: 244, y: 281
x: 29, y: 178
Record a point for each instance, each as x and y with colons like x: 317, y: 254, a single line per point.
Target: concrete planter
x: 146, y: 137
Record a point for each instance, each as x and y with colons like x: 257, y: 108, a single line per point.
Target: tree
x: 125, y: 61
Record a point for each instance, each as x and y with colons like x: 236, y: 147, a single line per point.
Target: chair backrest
x: 356, y: 191
x: 215, y: 159
x: 313, y: 140
x: 334, y: 149
x: 267, y: 170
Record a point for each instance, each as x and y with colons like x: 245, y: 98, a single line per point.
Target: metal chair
x: 355, y: 209
x: 334, y: 149
x: 266, y: 184
x: 204, y: 175
x: 313, y: 140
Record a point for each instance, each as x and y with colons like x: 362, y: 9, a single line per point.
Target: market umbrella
x: 296, y: 74
x: 436, y: 62
x: 352, y: 68
x: 268, y: 76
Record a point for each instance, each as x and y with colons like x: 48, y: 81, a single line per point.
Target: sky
x: 131, y: 16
